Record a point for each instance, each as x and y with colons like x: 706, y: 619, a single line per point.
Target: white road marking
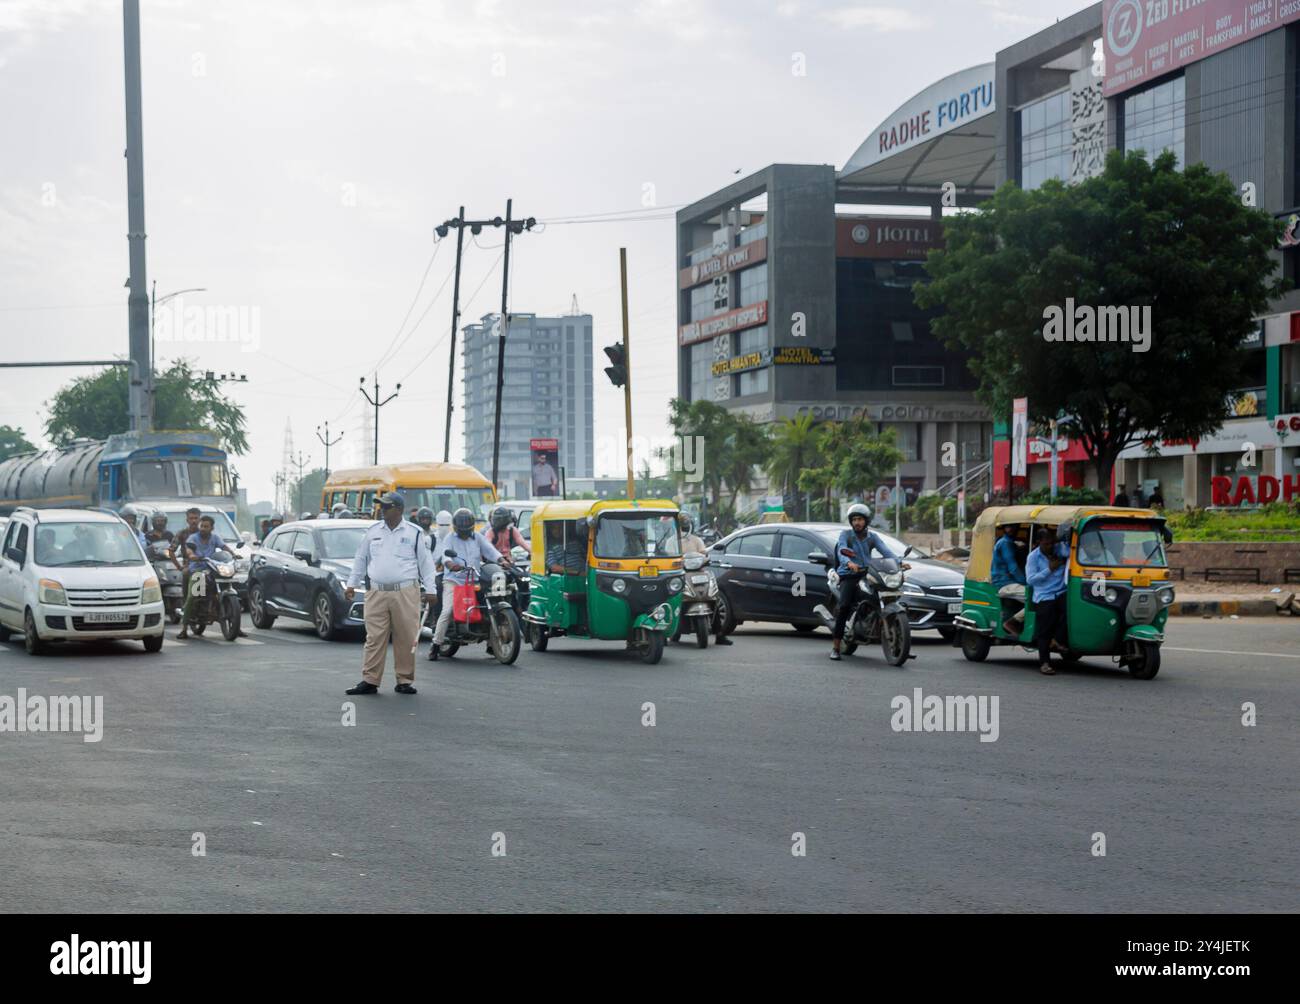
x: 1219, y: 651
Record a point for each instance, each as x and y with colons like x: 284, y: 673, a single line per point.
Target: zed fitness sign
x: 1145, y: 39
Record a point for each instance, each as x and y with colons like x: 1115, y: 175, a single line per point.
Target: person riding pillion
x: 503, y: 534
x: 399, y: 570
x: 471, y: 549
x: 861, y: 540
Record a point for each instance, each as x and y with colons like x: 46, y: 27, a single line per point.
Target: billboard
x: 1019, y: 437
x: 545, y: 478
x: 1145, y: 39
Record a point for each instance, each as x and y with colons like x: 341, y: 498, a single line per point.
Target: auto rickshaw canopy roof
x: 985, y: 530
x: 577, y: 508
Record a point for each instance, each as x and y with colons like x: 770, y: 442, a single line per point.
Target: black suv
x: 757, y: 569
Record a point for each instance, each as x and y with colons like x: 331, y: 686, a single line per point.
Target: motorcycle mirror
x: 449, y: 553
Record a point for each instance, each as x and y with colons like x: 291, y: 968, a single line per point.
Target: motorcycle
x: 170, y: 577
x: 498, y: 622
x: 212, y: 582
x: 699, y: 599
x: 878, y: 616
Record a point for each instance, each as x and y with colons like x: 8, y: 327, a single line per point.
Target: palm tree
x: 794, y: 449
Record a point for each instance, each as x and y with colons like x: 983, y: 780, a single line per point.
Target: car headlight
x: 892, y: 581
x: 226, y: 571
x: 1166, y: 597
x: 152, y: 592
x: 1111, y: 596
x: 52, y: 592
x: 913, y: 588
x: 675, y: 585
x: 620, y: 586
x: 242, y: 564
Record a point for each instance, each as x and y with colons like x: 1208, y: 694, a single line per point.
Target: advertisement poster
x: 546, y: 467
x: 1019, y: 437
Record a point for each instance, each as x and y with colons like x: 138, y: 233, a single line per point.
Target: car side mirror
x: 818, y: 557
x: 302, y: 555
x: 13, y: 554
x: 1167, y: 534
x: 909, y: 550
x: 246, y: 537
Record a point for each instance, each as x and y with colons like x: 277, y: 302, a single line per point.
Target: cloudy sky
x: 299, y: 152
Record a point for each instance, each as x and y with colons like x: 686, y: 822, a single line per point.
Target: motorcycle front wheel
x: 702, y: 624
x: 231, y: 614
x: 505, y: 635
x: 896, y: 639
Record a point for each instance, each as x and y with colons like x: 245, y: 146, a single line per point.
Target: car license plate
x: 107, y: 618
x: 954, y: 608
x: 700, y: 580
x: 648, y: 571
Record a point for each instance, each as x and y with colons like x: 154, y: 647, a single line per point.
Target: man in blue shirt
x: 860, y: 539
x: 471, y: 549
x: 1046, y: 572
x: 203, y: 544
x: 1009, y: 580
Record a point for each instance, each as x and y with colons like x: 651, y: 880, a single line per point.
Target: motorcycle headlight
x: 892, y: 581
x: 1166, y: 597
x: 52, y: 592
x: 226, y: 571
x: 152, y: 592
x: 675, y: 585
x: 620, y: 586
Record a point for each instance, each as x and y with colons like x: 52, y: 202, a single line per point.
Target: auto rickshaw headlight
x: 1111, y: 596
x: 1166, y: 596
x: 675, y: 585
x: 620, y: 586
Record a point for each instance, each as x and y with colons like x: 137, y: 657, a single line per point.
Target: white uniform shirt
x: 390, y: 556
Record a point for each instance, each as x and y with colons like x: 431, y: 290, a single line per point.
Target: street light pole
x: 154, y: 304
x: 377, y: 404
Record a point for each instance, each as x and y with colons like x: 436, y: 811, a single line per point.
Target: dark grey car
x: 300, y: 572
x: 777, y: 572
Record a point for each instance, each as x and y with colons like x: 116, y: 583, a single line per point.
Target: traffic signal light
x: 618, y: 372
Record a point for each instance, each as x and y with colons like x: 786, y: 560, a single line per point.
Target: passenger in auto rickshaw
x: 1008, y: 577
x: 566, y: 554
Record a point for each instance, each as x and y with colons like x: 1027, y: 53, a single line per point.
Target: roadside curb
x: 1247, y: 607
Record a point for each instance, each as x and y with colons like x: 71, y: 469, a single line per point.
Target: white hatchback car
x: 76, y: 575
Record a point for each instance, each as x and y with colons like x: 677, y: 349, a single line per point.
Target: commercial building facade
x: 547, y: 393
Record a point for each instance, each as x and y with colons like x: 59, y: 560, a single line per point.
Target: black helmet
x: 501, y: 518
x: 462, y: 521
x: 424, y: 516
x: 159, y: 519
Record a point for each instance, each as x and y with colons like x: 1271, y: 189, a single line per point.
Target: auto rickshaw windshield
x: 1116, y: 544
x: 637, y: 535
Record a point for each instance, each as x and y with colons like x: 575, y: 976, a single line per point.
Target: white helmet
x: 858, y: 509
x: 444, y: 518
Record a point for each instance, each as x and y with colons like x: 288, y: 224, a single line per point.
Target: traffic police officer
x: 400, y: 573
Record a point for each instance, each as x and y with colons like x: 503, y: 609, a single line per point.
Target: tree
x: 794, y: 448
x: 96, y: 407
x: 1140, y: 235
x: 13, y: 442
x: 856, y: 459
x: 305, y: 491
x: 727, y: 447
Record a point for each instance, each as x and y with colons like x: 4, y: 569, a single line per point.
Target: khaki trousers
x: 391, y: 614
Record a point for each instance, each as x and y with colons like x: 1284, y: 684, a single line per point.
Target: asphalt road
x: 752, y: 744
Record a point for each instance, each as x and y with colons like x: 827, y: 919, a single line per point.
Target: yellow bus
x: 438, y: 486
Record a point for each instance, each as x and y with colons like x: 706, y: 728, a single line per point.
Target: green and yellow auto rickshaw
x: 608, y: 570
x: 1118, y: 587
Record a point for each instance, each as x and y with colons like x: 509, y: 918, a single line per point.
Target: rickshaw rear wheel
x: 537, y: 637
x: 653, y: 648
x: 975, y: 647
x: 1147, y: 662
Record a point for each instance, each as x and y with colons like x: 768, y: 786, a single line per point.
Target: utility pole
x: 300, y: 463
x: 377, y: 404
x: 140, y: 398
x: 627, y: 383
x: 328, y: 443
x: 501, y: 351
x: 475, y: 227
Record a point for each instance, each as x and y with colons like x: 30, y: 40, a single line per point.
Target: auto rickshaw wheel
x: 653, y: 648
x: 538, y: 637
x: 975, y: 647
x: 1146, y: 664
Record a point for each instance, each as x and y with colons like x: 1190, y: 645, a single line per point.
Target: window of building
x: 753, y: 285
x: 909, y: 438
x: 701, y: 354
x: 918, y: 376
x: 1045, y: 140
x: 750, y: 234
x: 752, y: 382
x: 1153, y: 119
x: 752, y: 340
x: 902, y: 330
x: 702, y: 302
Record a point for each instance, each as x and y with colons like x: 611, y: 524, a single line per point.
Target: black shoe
x: 723, y: 640
x: 433, y: 653
x: 363, y: 688
x: 405, y: 688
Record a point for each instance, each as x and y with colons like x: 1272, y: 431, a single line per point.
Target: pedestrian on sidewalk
x: 398, y: 570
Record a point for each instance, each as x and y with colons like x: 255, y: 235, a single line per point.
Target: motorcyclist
x: 861, y: 540
x: 203, y: 544
x: 159, y: 531
x: 691, y: 544
x: 424, y: 520
x: 471, y: 549
x: 443, y: 524
x: 441, y: 527
x: 337, y: 508
x: 132, y: 518
x: 504, y: 535
x: 344, y: 514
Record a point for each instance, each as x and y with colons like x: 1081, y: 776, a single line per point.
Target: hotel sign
x: 733, y: 320
x: 782, y: 355
x: 1145, y: 39
x: 721, y: 264
x: 886, y: 237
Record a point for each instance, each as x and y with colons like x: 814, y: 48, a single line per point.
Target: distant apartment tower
x: 547, y: 395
